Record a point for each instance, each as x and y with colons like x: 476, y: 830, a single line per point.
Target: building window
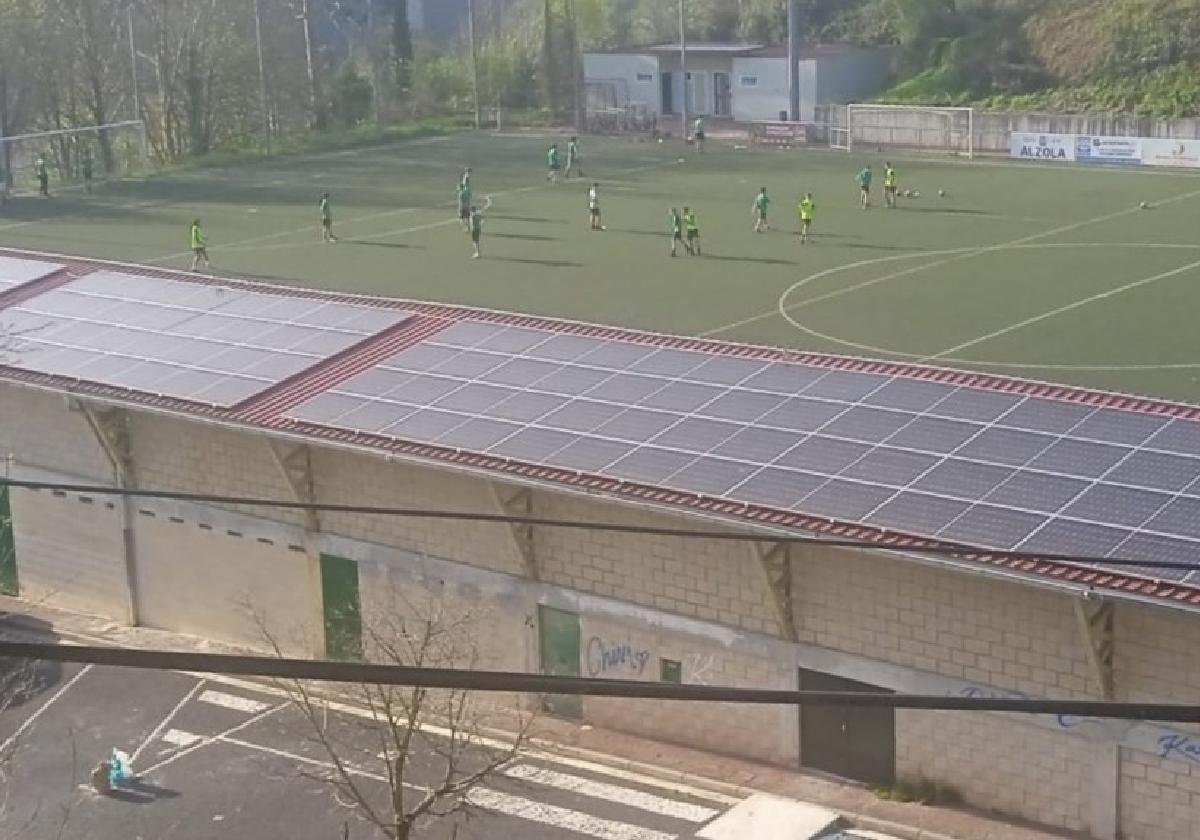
x: 748, y: 81
x: 645, y: 77
x: 670, y: 671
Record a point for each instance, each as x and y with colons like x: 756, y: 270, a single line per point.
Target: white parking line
x: 612, y: 793
x: 564, y: 818
x: 179, y: 738
x: 232, y: 701
x: 213, y: 738
x: 162, y: 724
x: 32, y: 719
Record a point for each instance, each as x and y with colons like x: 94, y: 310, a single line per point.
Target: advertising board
x: 1090, y: 149
x: 1052, y: 148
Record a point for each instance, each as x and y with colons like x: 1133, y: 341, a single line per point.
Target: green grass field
x: 1035, y: 271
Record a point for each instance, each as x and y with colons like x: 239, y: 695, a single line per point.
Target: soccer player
x: 573, y: 163
x: 889, y: 185
x: 806, y: 208
x: 552, y: 163
x: 465, y: 180
x: 199, y: 246
x: 864, y: 186
x: 676, y: 229
x: 326, y: 220
x: 43, y: 176
x: 693, y: 232
x: 464, y: 204
x: 761, y: 202
x: 594, y: 206
x: 698, y: 133
x: 476, y: 230
x: 87, y: 167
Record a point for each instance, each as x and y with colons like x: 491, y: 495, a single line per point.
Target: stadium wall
x: 645, y: 605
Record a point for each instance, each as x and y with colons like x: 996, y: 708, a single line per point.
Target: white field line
x: 562, y: 818
x: 783, y: 307
x: 232, y: 701
x: 162, y: 724
x: 32, y: 719
x: 212, y: 738
x: 612, y: 793
x: 179, y: 738
x: 482, y: 797
x: 1060, y: 310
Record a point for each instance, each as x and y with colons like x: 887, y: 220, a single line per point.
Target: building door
x: 668, y: 95
x: 722, y: 95
x: 848, y: 741
x: 341, y: 607
x: 558, y: 635
x: 697, y: 93
x: 8, y: 547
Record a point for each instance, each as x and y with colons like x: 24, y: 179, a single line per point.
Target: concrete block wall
x: 38, y: 428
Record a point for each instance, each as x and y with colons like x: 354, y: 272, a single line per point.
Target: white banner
x: 1108, y: 149
x: 1184, y: 153
x: 1048, y: 147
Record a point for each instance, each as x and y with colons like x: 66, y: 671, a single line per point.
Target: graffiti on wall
x: 614, y: 658
x: 699, y: 668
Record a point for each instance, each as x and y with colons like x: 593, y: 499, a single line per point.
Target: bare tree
x: 414, y: 755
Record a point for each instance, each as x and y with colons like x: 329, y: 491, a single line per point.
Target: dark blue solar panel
x: 988, y: 525
x: 1115, y: 426
x: 1181, y: 516
x: 478, y: 435
x: 637, y: 425
x: 474, y: 398
x: 1051, y: 416
x: 526, y: 407
x: 572, y: 380
x: 1079, y: 539
x: 783, y: 378
x: 1037, y: 491
x: 910, y: 395
x: 872, y: 425
x: 650, y: 464
x: 372, y: 416
x: 1005, y: 446
x: 824, y: 455
x: 564, y: 348
x: 933, y: 434
x: 1181, y: 436
x: 469, y: 364
x: 697, y: 434
x: 1117, y: 505
x: 845, y: 500
x: 747, y: 406
x: 890, y: 466
x: 918, y: 513
x: 615, y: 355
x: 581, y: 415
x: 589, y: 454
x: 424, y: 390
x: 1156, y: 470
x: 969, y: 480
x: 421, y: 358
x: 326, y: 408
x: 803, y: 415
x: 425, y: 426
x: 1079, y: 457
x: 840, y: 385
x: 758, y: 446
x: 671, y: 363
x: 683, y: 397
x: 510, y: 340
x: 1151, y: 547
x: 724, y: 370
x: 532, y: 444
x: 521, y: 373
x: 976, y: 404
x: 627, y: 388
x: 778, y: 488
x: 712, y: 476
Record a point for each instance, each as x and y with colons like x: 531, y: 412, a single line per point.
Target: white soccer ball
x: 660, y: 139
x: 941, y: 193
x: 916, y: 194
x: 681, y: 160
x: 1143, y: 205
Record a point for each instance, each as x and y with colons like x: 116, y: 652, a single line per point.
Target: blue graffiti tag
x: 602, y: 658
x: 1179, y: 746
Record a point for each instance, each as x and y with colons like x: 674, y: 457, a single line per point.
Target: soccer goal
x: 911, y: 127
x: 110, y: 150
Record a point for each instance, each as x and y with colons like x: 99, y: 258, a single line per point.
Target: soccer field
x: 1029, y: 270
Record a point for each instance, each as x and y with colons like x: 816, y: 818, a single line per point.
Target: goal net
x: 910, y: 127
x: 106, y: 151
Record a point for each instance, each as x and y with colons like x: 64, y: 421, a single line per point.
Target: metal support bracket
x: 776, y: 562
x: 1096, y: 620
x: 519, y: 502
x: 295, y: 464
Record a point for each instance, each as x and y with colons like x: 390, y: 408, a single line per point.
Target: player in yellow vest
x: 199, y: 246
x: 807, y: 208
x: 889, y: 185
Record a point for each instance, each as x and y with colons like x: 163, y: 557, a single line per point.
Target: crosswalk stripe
x: 179, y: 738
x: 613, y: 793
x: 564, y: 818
x: 232, y: 701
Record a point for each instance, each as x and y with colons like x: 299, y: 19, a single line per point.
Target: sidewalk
x: 733, y: 776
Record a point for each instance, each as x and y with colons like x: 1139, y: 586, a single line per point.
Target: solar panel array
x: 16, y: 272
x: 977, y: 466
x: 191, y: 341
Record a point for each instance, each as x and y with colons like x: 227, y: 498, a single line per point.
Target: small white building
x: 744, y: 82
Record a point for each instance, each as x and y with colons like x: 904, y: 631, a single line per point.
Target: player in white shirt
x: 594, y: 207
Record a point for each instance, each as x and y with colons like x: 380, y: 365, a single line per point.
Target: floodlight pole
x: 133, y: 66
x: 262, y: 76
x: 474, y: 63
x: 793, y: 48
x: 683, y: 103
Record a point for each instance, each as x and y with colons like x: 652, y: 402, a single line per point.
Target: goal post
x: 917, y: 128
x: 66, y: 150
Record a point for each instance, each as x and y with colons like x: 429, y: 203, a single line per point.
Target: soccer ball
x: 916, y: 194
x: 1144, y: 205
x: 941, y: 193
x: 660, y: 139
x: 681, y: 160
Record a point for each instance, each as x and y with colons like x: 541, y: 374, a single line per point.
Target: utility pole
x: 683, y: 74
x: 262, y: 77
x: 137, y: 95
x: 793, y: 45
x: 313, y: 95
x: 474, y: 63
x: 576, y: 59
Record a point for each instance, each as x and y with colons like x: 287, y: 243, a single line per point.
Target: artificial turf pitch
x: 1041, y: 271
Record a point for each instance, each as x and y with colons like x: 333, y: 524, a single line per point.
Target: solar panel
x: 173, y: 338
x: 965, y: 464
x: 17, y: 272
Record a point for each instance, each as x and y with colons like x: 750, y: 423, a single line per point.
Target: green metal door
x: 8, y: 547
x: 559, y: 638
x: 341, y: 608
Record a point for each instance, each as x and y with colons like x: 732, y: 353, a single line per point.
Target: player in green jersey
x: 552, y: 163
x: 43, y: 176
x: 327, y: 220
x: 864, y: 186
x: 463, y: 197
x: 476, y: 230
x: 761, y: 203
x: 573, y: 163
x: 693, y: 232
x: 465, y: 180
x: 807, y: 208
x: 199, y: 245
x: 676, y: 229
x: 889, y: 185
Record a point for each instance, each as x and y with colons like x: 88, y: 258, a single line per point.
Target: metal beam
x: 518, y: 502
x: 1096, y: 620
x: 776, y: 562
x: 111, y: 428
x: 295, y: 464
